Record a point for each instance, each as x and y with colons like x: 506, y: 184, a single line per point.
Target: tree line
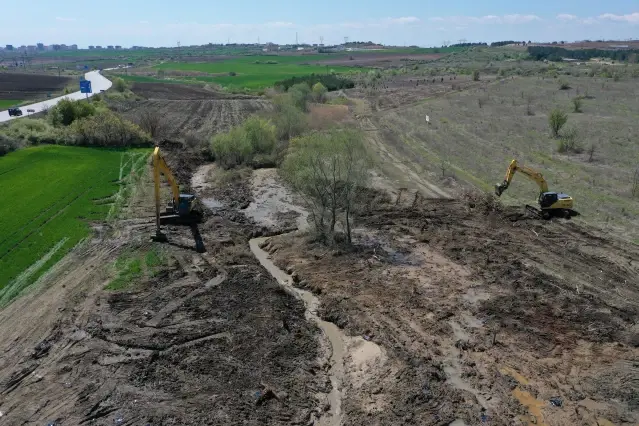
x: 556, y: 53
x: 330, y: 81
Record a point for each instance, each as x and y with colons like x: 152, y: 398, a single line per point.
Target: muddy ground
x: 483, y: 317
x: 209, y: 338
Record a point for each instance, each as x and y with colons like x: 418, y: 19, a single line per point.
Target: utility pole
x: 296, y: 40
x: 345, y: 40
x: 321, y: 40
x: 179, y: 52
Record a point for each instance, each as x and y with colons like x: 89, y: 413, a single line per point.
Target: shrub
x: 106, y: 129
x: 556, y: 121
x: 261, y: 135
x: 254, y: 140
x: 569, y: 142
x: 232, y: 74
x: 564, y: 85
x: 330, y: 81
x: 67, y: 111
x: 319, y: 92
x: 476, y: 75
x: 231, y: 149
x: 577, y: 103
x: 119, y: 84
x: 20, y: 133
x: 289, y: 120
x: 300, y: 94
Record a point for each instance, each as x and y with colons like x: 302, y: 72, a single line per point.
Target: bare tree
x: 152, y: 123
x: 635, y: 183
x: 591, y: 152
x: 327, y: 169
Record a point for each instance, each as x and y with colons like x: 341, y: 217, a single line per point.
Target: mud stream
x: 335, y: 337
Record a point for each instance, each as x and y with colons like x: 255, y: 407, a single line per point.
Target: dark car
x: 17, y: 112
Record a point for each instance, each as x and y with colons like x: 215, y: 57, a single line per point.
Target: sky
x: 399, y: 22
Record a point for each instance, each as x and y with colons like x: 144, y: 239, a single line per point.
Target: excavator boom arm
x: 160, y: 167
x: 527, y: 171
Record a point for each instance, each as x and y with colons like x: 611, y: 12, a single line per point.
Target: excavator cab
x: 185, y: 205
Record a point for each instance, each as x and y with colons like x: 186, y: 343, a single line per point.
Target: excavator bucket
x: 500, y: 188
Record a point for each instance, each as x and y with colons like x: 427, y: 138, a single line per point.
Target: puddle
x: 514, y: 374
x: 533, y: 405
x: 271, y: 200
x: 201, y: 176
x: 474, y: 296
x: 212, y: 203
x: 335, y: 337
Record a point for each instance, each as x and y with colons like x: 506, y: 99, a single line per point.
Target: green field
x: 253, y: 72
x: 50, y: 196
x: 8, y: 103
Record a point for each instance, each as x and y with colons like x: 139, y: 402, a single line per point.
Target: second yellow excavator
x: 182, y: 208
x: 551, y: 203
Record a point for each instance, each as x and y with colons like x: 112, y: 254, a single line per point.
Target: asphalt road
x: 98, y: 82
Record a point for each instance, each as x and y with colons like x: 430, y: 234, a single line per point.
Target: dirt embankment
x: 481, y: 317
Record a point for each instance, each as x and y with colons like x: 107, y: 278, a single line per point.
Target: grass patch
x: 254, y: 72
x: 128, y: 269
x: 8, y: 103
x: 52, y: 195
x: 135, y: 266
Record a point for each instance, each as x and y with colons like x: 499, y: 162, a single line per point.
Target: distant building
x: 98, y: 47
x: 109, y: 47
x: 73, y: 47
x: 118, y: 47
x: 91, y: 47
x: 9, y: 47
x: 32, y: 48
x: 40, y: 46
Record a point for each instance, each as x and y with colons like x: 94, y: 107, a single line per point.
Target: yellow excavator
x: 552, y: 203
x: 181, y: 209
